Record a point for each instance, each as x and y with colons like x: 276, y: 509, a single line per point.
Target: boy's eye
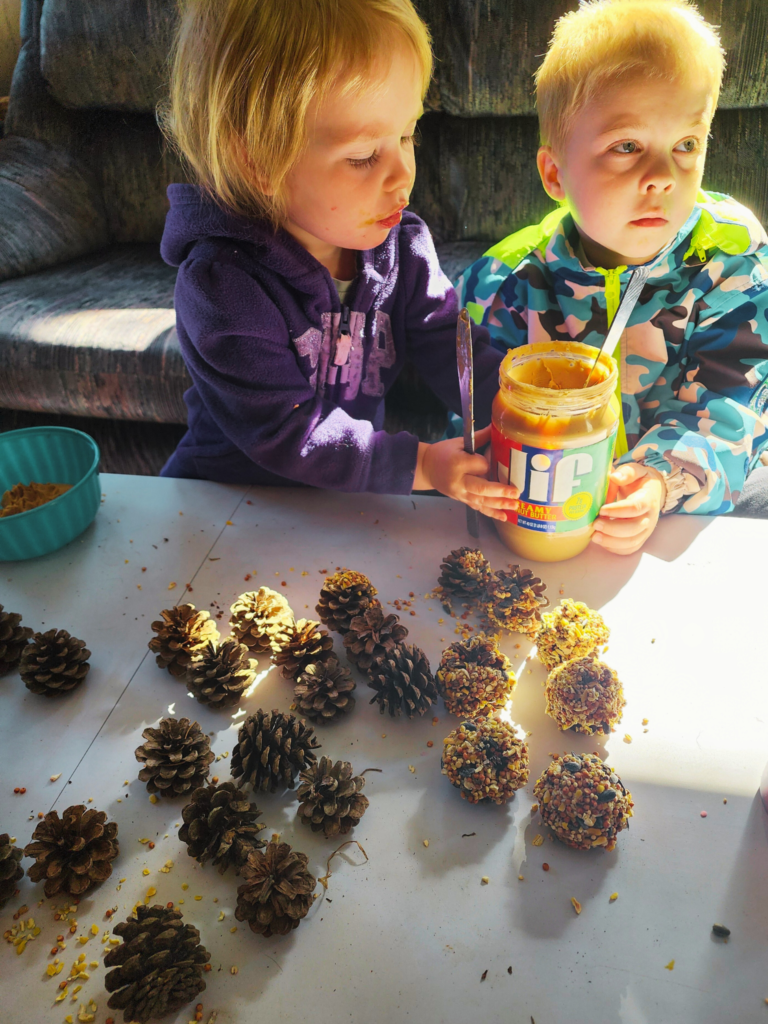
x: 625, y: 147
x: 412, y: 140
x: 689, y: 146
x: 367, y: 161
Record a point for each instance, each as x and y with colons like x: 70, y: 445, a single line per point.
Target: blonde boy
x: 626, y: 96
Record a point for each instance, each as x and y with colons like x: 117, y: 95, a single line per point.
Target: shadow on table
x: 743, y: 908
x: 542, y: 899
x: 459, y: 833
x: 597, y: 575
x: 674, y: 536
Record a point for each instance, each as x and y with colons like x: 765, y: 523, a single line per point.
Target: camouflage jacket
x: 693, y: 357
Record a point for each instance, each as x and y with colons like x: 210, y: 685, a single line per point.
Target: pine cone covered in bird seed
x: 583, y: 801
x: 272, y: 749
x: 303, y: 645
x: 514, y: 599
x: 475, y: 677
x: 277, y: 892
x: 324, y: 691
x: 13, y: 639
x: 345, y: 594
x: 260, y: 619
x: 220, y: 825
x: 485, y: 760
x: 11, y: 870
x: 54, y: 663
x: 403, y: 681
x: 571, y: 630
x: 218, y: 675
x: 585, y: 695
x: 371, y: 636
x: 330, y: 798
x: 177, y: 756
x: 72, y: 853
x: 464, y: 574
x: 158, y: 965
x: 181, y: 634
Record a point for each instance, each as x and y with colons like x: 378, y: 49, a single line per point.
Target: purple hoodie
x: 288, y: 385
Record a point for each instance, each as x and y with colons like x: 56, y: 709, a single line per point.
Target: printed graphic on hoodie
x: 336, y: 355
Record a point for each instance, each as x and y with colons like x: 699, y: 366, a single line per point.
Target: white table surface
x: 408, y: 935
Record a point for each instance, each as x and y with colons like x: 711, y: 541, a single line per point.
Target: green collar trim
x: 515, y: 247
x: 726, y: 233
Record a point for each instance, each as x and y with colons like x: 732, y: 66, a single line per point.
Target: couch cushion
x: 51, y: 207
x: 106, y: 53
x: 134, y: 165
x: 488, y: 50
x: 94, y: 337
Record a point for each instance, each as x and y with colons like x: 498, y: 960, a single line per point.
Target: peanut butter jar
x: 553, y: 439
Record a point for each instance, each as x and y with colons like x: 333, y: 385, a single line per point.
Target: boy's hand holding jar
x: 632, y: 507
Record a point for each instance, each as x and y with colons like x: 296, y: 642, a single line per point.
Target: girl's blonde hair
x: 608, y: 41
x: 244, y: 72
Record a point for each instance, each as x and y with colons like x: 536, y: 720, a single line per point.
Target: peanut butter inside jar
x: 553, y: 438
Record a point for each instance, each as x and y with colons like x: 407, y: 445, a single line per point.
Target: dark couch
x: 86, y: 304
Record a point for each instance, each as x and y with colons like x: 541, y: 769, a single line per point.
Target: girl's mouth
x: 392, y: 219
x: 650, y: 222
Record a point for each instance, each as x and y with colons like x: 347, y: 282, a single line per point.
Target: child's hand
x: 446, y: 467
x: 632, y: 506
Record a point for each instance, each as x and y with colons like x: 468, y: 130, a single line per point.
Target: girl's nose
x: 399, y: 174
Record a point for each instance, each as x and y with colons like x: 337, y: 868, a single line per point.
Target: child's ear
x: 549, y: 172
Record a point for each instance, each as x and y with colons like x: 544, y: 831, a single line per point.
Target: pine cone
x: 183, y: 632
x: 260, y: 618
x: 403, y: 681
x: 513, y: 601
x: 584, y: 695
x: 475, y: 677
x: 278, y: 890
x: 330, y: 800
x: 345, y: 594
x: 220, y: 825
x: 13, y: 639
x: 11, y: 870
x: 485, y: 760
x: 303, y: 645
x: 372, y: 636
x: 177, y: 755
x: 572, y: 630
x: 73, y: 853
x: 218, y: 675
x: 272, y: 749
x: 54, y: 663
x: 464, y: 574
x: 158, y: 966
x: 323, y: 691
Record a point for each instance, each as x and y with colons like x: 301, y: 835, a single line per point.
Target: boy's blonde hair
x: 608, y: 41
x: 244, y: 72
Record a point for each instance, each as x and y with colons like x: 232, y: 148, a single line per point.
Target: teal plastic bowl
x: 49, y: 455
